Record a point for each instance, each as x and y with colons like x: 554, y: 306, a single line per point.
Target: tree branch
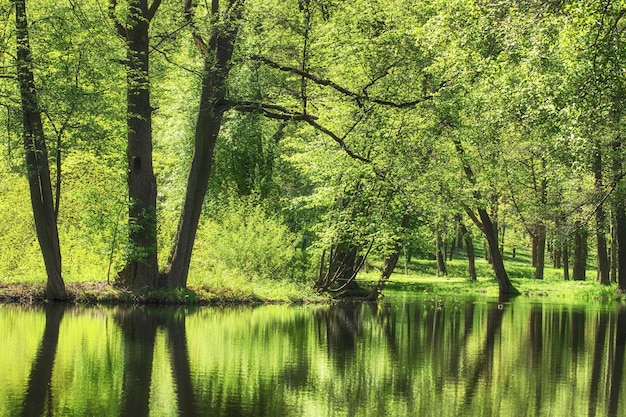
x: 121, y: 30
x: 277, y: 112
x: 360, y: 98
x: 197, y: 39
x: 153, y: 9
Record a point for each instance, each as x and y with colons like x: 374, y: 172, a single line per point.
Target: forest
x: 163, y: 144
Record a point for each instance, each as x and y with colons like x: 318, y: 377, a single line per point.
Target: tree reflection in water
x: 392, y: 358
x: 39, y: 392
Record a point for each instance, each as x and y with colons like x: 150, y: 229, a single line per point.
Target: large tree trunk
x: 208, y: 124
x: 141, y: 270
x: 603, y: 260
x: 37, y: 164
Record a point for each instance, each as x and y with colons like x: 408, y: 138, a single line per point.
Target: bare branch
x: 176, y: 64
x: 360, y: 98
x: 277, y: 112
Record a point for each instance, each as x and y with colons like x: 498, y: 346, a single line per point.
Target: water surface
x: 404, y: 356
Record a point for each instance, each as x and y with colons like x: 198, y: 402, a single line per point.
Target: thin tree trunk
x: 452, y: 249
x: 37, y: 163
x: 603, y: 261
x: 390, y: 263
x: 208, y: 124
x: 540, y: 250
x: 556, y: 254
x: 469, y: 248
x: 620, y: 232
x: 440, y: 256
x: 613, y: 253
x: 620, y: 216
x: 566, y: 260
x: 580, y: 264
x: 484, y: 222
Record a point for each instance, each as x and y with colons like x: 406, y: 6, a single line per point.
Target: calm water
x: 402, y: 357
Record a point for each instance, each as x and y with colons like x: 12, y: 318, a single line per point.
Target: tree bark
x: 141, y: 269
x: 36, y: 153
x: 208, y: 124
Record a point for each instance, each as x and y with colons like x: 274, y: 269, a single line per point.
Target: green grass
x: 420, y: 277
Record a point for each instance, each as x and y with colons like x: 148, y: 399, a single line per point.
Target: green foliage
x: 241, y: 240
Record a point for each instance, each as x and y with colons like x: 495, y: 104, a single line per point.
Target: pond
x: 403, y: 356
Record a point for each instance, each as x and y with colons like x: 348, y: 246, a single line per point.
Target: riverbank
x: 436, y: 288
x: 98, y: 292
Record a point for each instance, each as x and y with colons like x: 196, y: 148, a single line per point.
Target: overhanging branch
x: 277, y: 112
x: 359, y: 97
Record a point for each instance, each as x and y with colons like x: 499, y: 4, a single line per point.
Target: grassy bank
x: 420, y: 277
x: 417, y: 277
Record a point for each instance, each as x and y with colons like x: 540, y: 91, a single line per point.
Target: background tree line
x: 294, y: 140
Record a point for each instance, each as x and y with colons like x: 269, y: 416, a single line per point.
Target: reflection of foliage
x: 397, y: 358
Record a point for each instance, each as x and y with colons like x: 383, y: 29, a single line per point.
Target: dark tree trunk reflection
x: 139, y: 331
x: 617, y: 370
x: 179, y: 356
x: 41, y: 373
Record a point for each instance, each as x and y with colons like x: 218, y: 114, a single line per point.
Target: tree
x: 217, y: 54
x: 142, y: 269
x: 36, y: 151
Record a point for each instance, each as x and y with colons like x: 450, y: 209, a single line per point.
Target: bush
x: 243, y: 240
